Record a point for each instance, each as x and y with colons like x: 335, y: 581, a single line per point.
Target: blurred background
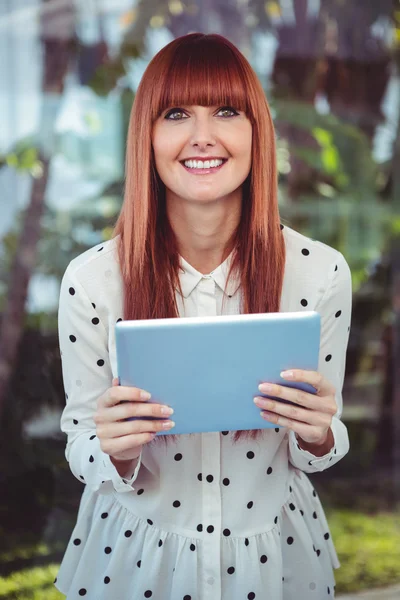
x: 69, y: 71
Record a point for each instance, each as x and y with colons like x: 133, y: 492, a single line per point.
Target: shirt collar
x: 189, y: 277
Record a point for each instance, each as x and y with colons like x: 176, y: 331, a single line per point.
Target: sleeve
x: 87, y: 375
x: 335, y: 308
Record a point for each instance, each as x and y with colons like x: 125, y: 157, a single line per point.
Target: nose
x: 202, y: 135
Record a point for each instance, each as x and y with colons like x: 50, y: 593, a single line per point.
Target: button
x: 207, y: 277
x: 210, y: 580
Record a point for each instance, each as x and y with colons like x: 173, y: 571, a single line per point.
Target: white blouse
x: 205, y: 518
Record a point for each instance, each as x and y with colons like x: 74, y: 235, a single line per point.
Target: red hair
x: 206, y: 70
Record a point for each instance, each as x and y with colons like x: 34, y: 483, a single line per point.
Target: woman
x: 228, y: 515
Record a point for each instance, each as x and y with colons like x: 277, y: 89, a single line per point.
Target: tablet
x: 208, y: 368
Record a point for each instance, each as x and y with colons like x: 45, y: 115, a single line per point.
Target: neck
x: 204, y: 232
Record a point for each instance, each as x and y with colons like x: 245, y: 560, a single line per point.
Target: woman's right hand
x: 123, y: 440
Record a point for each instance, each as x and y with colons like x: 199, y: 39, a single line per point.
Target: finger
x: 310, y: 401
x: 314, y: 378
x: 304, y: 430
x: 127, y: 428
x: 118, y: 394
x: 295, y: 413
x: 115, y: 381
x: 119, y: 445
x: 126, y: 410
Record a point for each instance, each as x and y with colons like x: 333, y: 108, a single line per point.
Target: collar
x: 190, y: 277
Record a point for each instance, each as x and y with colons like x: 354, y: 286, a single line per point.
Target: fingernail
x: 166, y: 410
x: 287, y: 374
x: 145, y: 395
x: 168, y: 425
x: 266, y: 387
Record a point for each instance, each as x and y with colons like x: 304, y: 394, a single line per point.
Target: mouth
x: 203, y: 167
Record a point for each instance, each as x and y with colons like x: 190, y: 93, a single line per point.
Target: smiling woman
x: 215, y: 515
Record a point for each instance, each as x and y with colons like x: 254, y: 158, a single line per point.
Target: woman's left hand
x: 311, y: 418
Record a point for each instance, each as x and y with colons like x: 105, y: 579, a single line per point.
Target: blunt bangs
x: 202, y: 72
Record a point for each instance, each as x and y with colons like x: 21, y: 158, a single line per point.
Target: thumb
x: 115, y: 382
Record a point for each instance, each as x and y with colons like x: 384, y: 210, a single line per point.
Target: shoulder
x: 313, y: 256
x: 95, y: 272
x: 95, y: 263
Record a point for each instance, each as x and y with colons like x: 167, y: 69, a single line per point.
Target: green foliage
x: 368, y: 549
x: 31, y: 584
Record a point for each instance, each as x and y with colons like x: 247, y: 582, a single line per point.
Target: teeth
x: 199, y: 164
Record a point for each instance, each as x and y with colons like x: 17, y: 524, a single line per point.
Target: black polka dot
x: 82, y: 592
x: 139, y: 563
x: 310, y: 463
x: 107, y: 550
x: 231, y: 570
x: 281, y: 226
x: 290, y: 489
x: 176, y: 504
x: 91, y: 459
x: 92, y: 437
x: 72, y: 338
x: 100, y: 363
x: 186, y: 597
x: 150, y: 522
x: 178, y: 457
x: 82, y: 477
x: 128, y: 533
x: 226, y: 481
x: 160, y: 543
x: 277, y: 429
x: 250, y: 454
x: 95, y: 321
x: 263, y: 559
x: 100, y: 249
x: 192, y: 547
x: 94, y: 306
x: 318, y: 552
x: 226, y: 532
x: 200, y: 527
x: 246, y: 541
x: 292, y: 506
x: 314, y: 514
x: 339, y: 312
x: 269, y: 470
x: 251, y: 596
x: 77, y: 542
x: 335, y: 452
x: 140, y: 492
x: 328, y: 357
x: 305, y: 252
x: 327, y: 536
x: 107, y: 580
x: 329, y: 591
x: 104, y: 515
x: 119, y: 320
x: 250, y: 505
x: 336, y: 268
x: 75, y: 421
x: 200, y: 477
x: 210, y: 528
x: 314, y: 493
x: 210, y: 478
x: 304, y: 302
x: 302, y: 512
x: 290, y: 540
x: 148, y: 594
x: 224, y: 432
x: 276, y: 520
x: 72, y: 291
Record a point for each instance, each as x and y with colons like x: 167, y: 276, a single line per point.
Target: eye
x: 228, y: 109
x: 174, y: 111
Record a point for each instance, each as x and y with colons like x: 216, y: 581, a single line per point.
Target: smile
x: 198, y: 167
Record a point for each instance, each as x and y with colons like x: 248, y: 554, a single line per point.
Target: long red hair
x: 206, y: 70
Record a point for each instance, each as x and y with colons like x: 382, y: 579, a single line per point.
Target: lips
x: 208, y: 171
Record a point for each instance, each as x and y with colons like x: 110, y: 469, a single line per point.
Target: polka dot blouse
x: 203, y: 518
